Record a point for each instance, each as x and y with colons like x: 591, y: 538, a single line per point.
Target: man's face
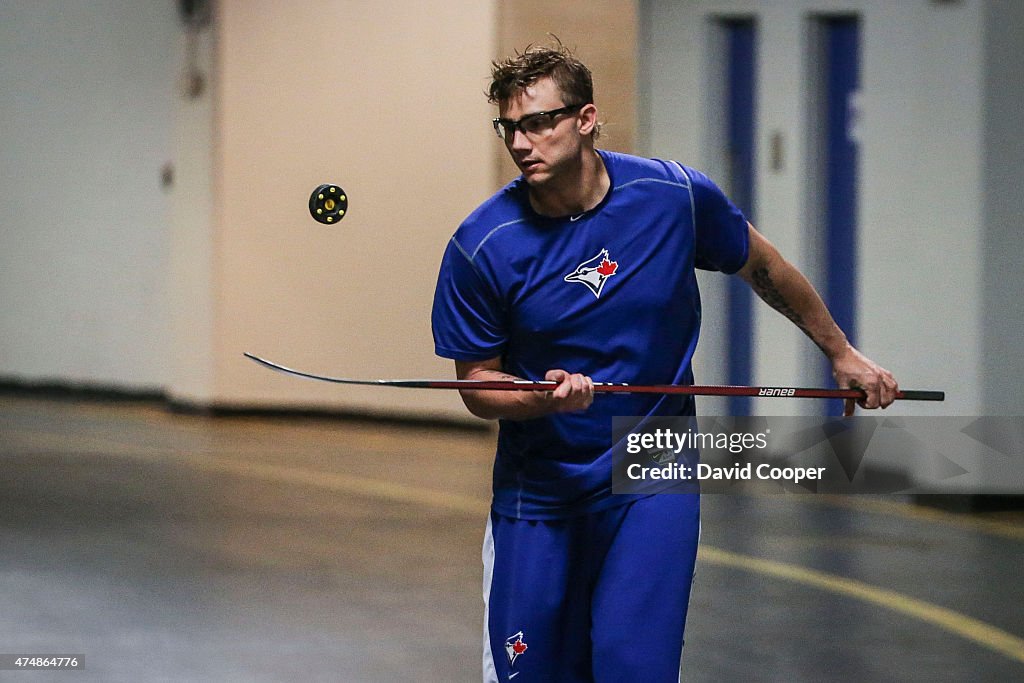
x: 542, y: 154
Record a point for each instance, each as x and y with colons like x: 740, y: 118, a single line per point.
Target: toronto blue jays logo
x: 514, y: 647
x: 594, y: 272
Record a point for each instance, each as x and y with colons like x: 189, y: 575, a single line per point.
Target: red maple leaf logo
x: 608, y: 267
x: 519, y: 647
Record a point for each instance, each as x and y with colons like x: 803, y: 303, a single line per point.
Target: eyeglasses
x: 531, y: 124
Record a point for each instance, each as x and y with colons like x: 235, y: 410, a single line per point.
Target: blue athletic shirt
x: 611, y: 293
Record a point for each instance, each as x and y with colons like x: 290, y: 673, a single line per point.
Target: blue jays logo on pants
x: 514, y: 646
x: 594, y: 272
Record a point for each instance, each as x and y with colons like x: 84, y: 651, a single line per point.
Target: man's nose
x: 520, y: 142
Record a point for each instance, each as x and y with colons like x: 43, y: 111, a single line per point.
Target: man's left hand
x: 854, y: 370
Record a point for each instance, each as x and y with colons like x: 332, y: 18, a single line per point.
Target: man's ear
x: 587, y: 119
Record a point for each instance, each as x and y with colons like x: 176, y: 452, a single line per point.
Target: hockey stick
x: 604, y: 387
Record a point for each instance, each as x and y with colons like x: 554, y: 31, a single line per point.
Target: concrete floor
x: 170, y: 547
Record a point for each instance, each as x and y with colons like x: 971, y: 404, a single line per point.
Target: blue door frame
x: 741, y: 35
x: 842, y: 80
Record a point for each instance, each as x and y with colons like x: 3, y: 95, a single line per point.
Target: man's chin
x: 535, y: 176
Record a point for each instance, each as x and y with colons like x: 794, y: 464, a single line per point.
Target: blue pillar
x: 740, y: 75
x: 842, y: 79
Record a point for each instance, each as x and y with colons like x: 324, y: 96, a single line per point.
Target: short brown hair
x: 514, y: 74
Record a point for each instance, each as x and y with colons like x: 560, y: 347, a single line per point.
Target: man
x: 581, y: 268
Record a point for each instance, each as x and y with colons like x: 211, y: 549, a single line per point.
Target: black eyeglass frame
x: 510, y: 125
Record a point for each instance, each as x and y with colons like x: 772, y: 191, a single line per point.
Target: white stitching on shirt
x: 488, y: 235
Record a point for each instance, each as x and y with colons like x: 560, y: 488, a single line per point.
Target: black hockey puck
x: 328, y: 204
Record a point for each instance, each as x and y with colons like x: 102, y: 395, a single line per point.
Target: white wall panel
x: 86, y: 103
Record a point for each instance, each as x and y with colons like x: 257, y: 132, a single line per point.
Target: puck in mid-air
x: 328, y: 204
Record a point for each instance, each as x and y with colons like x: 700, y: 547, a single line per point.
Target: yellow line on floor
x: 331, y: 481
x: 954, y: 622
x: 919, y: 513
x: 966, y: 627
x: 342, y: 483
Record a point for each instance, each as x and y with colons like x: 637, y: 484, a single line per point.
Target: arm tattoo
x: 766, y: 289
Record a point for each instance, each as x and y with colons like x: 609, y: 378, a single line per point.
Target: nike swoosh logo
x: 511, y: 676
x: 576, y: 218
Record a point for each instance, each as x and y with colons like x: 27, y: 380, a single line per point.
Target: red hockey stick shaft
x: 602, y: 387
x: 690, y: 389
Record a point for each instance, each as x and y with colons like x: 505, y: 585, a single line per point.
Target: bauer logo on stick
x: 777, y: 391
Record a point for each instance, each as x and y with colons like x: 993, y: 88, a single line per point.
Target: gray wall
x: 939, y: 290
x: 86, y: 105
x: 106, y: 278
x: 109, y: 279
x: 1002, y: 323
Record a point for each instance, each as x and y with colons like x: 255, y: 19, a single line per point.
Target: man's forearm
x: 785, y: 289
x: 572, y: 392
x: 505, y: 405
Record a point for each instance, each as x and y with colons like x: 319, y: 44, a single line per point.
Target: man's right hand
x: 574, y: 393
